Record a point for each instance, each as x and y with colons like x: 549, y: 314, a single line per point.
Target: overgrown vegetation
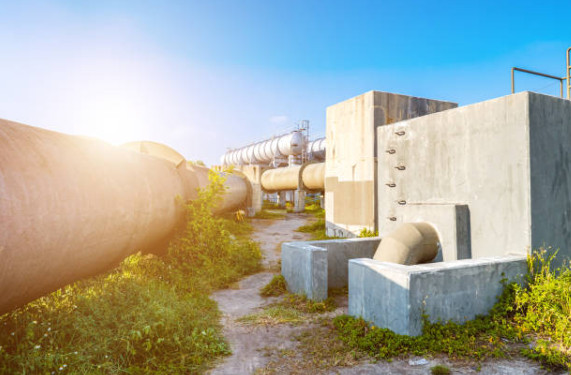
x: 271, y: 214
x: 440, y: 370
x: 315, y: 209
x: 276, y: 287
x: 366, y: 232
x: 316, y: 229
x: 150, y: 315
x: 538, y: 311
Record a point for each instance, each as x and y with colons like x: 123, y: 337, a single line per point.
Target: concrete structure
x: 312, y: 267
x: 254, y: 175
x: 504, y: 159
x: 395, y: 296
x: 350, y: 174
x: 71, y: 207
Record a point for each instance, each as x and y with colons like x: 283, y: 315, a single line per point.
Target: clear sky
x: 202, y: 76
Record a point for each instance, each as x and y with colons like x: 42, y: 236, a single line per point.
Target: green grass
x: 271, y: 214
x: 316, y: 229
x: 440, y: 370
x: 315, y: 209
x: 273, y: 315
x: 539, y: 311
x: 149, y: 315
x: 276, y: 287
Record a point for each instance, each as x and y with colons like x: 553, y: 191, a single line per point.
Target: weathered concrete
x: 451, y: 221
x: 505, y: 159
x: 350, y: 174
x: 254, y: 175
x: 312, y: 267
x: 395, y: 296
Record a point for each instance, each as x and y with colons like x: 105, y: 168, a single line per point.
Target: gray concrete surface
x: 395, y: 296
x: 312, y: 267
x: 350, y: 170
x: 504, y: 158
x: 451, y: 221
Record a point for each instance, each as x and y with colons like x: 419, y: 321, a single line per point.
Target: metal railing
x: 546, y: 76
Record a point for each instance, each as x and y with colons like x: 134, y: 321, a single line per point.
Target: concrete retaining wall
x: 312, y: 267
x: 394, y: 296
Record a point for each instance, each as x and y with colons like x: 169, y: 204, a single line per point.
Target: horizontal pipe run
x: 72, y: 207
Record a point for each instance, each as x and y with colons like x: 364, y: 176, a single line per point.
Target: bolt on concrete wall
x: 351, y: 154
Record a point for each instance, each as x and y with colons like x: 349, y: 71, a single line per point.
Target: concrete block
x: 394, y: 296
x: 312, y: 267
x: 350, y: 170
x: 452, y: 222
x: 305, y: 269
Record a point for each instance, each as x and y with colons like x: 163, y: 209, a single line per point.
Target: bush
x: 149, y: 315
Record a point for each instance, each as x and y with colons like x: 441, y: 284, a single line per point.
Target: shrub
x: 276, y: 287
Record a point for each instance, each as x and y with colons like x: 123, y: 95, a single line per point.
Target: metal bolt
x: 391, y: 184
x: 400, y: 133
x: 402, y: 202
x: 400, y: 167
x: 390, y: 151
x: 392, y: 218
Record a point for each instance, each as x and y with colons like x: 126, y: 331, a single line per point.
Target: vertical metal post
x: 513, y: 83
x: 568, y: 73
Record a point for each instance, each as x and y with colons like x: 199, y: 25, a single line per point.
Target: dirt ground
x: 289, y: 349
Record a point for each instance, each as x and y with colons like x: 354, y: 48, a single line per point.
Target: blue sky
x: 202, y: 76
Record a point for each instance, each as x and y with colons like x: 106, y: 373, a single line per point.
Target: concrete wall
x: 313, y: 267
x: 351, y: 151
x: 505, y: 159
x: 550, y: 166
x: 395, y: 296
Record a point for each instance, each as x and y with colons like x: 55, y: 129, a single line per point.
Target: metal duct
x: 72, y: 207
x: 411, y: 243
x: 264, y: 152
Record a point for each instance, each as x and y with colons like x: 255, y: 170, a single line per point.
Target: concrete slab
x: 394, y: 296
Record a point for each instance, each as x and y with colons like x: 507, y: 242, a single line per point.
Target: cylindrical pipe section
x: 313, y: 176
x: 155, y: 149
x: 411, y: 243
x: 316, y: 149
x: 235, y: 188
x: 71, y: 207
x: 286, y: 178
x: 263, y: 152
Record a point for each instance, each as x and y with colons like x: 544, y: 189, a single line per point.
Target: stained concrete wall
x: 395, y: 296
x: 351, y: 152
x: 505, y: 159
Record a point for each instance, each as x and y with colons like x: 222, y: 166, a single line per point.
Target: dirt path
x: 278, y: 349
x: 249, y: 343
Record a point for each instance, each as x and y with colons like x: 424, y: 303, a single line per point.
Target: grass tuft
x: 276, y: 287
x: 440, y: 370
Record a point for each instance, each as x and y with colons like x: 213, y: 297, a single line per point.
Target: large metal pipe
x: 286, y: 178
x: 265, y: 151
x: 71, y: 207
x: 307, y: 177
x: 236, y: 188
x: 313, y: 176
x: 411, y: 243
x: 316, y: 149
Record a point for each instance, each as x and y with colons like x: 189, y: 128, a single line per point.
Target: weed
x: 149, y: 315
x: 302, y: 303
x: 440, y: 370
x: 316, y: 229
x: 365, y: 232
x: 276, y: 287
x: 273, y: 315
x: 270, y: 214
